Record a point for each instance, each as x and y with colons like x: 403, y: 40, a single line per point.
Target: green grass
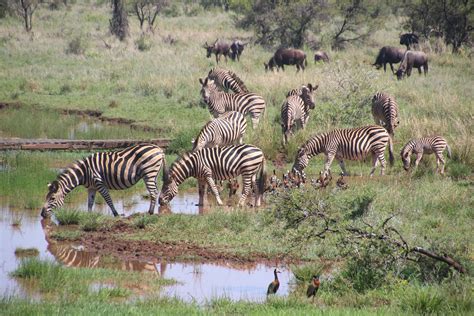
x: 68, y: 217
x: 26, y: 252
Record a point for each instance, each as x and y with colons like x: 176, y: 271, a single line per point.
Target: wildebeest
x: 218, y: 48
x: 390, y: 55
x: 412, y: 59
x: 236, y: 49
x: 408, y: 39
x: 320, y: 55
x: 287, y: 56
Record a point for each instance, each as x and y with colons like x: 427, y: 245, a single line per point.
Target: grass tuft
x: 68, y: 217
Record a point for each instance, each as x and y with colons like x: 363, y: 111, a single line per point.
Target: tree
x: 451, y: 19
x: 119, y: 21
x: 25, y: 9
x: 148, y: 10
x: 355, y: 21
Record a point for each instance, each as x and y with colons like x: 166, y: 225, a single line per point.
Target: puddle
x: 199, y: 282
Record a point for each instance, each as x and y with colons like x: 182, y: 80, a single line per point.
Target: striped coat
x: 227, y: 80
x: 213, y: 164
x: 102, y: 171
x: 385, y: 111
x: 221, y: 102
x: 222, y: 131
x: 425, y: 145
x: 350, y: 143
x: 296, y: 108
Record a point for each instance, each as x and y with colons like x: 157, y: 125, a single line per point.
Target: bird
x: 275, y: 284
x: 313, y: 287
x: 341, y: 183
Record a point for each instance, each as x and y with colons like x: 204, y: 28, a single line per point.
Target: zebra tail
x: 262, y: 178
x: 390, y: 151
x: 449, y: 151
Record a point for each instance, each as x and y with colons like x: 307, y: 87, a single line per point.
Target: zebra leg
x: 105, y: 194
x: 202, y: 188
x: 150, y: 183
x: 343, y: 167
x: 90, y: 198
x: 247, y: 186
x: 212, y: 184
x: 418, y: 158
x: 439, y: 158
x: 375, y: 162
x: 327, y: 165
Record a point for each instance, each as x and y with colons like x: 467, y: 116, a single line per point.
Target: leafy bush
x: 143, y: 43
x: 76, y: 46
x: 68, y: 217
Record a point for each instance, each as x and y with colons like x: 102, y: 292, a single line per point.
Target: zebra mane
x: 239, y: 81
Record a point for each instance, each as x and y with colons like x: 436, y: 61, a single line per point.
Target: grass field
x: 158, y: 88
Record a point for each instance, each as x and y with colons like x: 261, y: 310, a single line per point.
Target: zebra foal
x: 213, y: 164
x: 385, y: 111
x: 221, y: 131
x: 425, y: 145
x: 220, y: 102
x: 349, y: 143
x: 102, y: 171
x: 296, y: 108
x: 227, y: 80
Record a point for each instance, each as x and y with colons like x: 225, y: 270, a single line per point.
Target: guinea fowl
x: 341, y: 183
x: 273, y: 287
x: 313, y: 287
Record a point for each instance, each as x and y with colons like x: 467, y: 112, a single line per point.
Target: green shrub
x: 423, y: 300
x: 143, y: 43
x: 91, y: 221
x: 68, y: 217
x: 144, y: 220
x: 76, y: 46
x: 67, y: 235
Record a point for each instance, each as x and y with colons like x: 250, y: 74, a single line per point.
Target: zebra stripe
x: 221, y: 102
x: 227, y: 80
x: 296, y: 108
x: 222, y: 131
x: 350, y: 143
x: 425, y: 145
x: 102, y: 171
x: 385, y: 111
x: 213, y: 164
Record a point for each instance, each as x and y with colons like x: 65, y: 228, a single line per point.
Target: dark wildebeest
x: 390, y: 55
x: 408, y: 39
x: 236, y: 49
x: 412, y: 59
x: 218, y: 48
x: 287, y: 56
x: 320, y: 55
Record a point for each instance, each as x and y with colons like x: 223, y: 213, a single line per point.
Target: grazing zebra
x: 221, y: 131
x: 425, y: 145
x: 296, y: 107
x: 212, y: 164
x: 227, y: 80
x: 351, y: 143
x: 385, y: 111
x: 220, y: 102
x: 298, y: 91
x: 102, y: 171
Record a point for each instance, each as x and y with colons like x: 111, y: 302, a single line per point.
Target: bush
x: 143, y: 43
x: 76, y: 46
x: 68, y: 217
x: 144, y: 220
x: 91, y: 222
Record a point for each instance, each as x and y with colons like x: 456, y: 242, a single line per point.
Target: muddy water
x: 198, y: 282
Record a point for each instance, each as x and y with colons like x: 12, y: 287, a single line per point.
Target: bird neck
x: 316, y: 282
x: 276, y: 276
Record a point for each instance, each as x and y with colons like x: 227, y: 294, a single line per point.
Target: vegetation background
x: 69, y: 60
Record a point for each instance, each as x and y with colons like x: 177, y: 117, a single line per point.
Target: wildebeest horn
x: 201, y: 82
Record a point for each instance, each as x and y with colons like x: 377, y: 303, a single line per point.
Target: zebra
x: 296, y: 107
x: 298, y: 91
x: 102, y: 171
x: 213, y: 164
x: 221, y: 131
x: 221, y: 102
x: 425, y: 145
x: 351, y: 143
x: 227, y: 80
x: 385, y: 111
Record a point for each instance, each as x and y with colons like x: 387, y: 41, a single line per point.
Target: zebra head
x: 301, y: 161
x: 168, y: 192
x: 208, y: 86
x: 406, y: 158
x: 54, y: 199
x: 308, y: 96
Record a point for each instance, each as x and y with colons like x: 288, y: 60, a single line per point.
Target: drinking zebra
x: 385, y: 111
x: 296, y: 108
x: 213, y: 164
x: 350, y: 143
x: 221, y: 131
x: 102, y: 171
x: 425, y: 145
x: 220, y: 102
x: 227, y: 80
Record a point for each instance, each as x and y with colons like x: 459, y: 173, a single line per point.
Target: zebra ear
x: 53, y: 187
x: 310, y: 87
